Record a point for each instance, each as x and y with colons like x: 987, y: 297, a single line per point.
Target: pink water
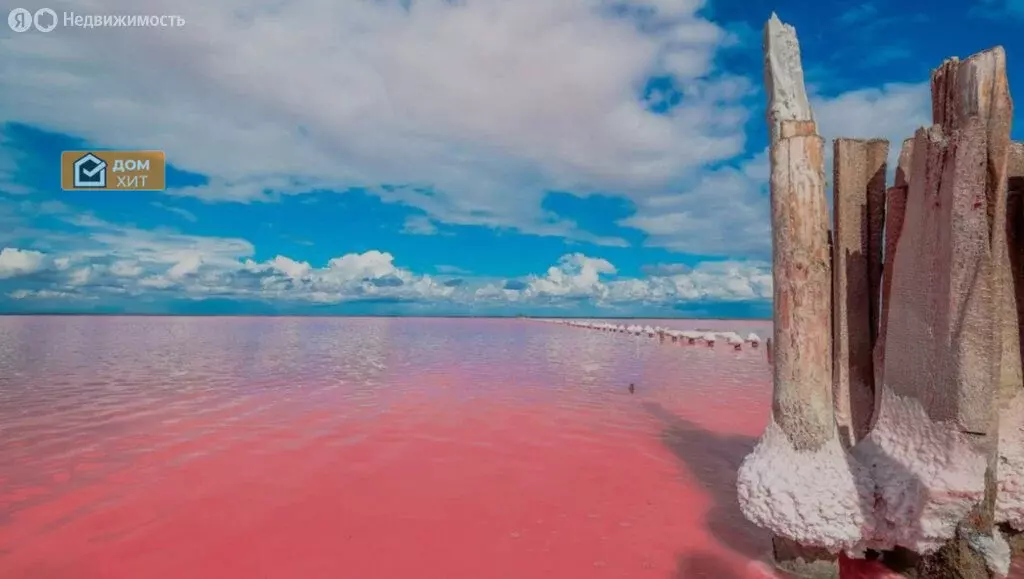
x: 310, y: 448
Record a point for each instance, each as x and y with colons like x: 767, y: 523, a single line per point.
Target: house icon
x: 90, y: 172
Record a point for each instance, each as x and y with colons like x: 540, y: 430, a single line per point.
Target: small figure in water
x: 632, y: 388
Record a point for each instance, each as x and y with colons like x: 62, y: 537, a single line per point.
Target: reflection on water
x: 371, y: 448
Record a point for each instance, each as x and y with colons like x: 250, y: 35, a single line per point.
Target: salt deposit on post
x: 802, y: 282
x: 797, y: 481
x: 944, y: 459
x: 667, y: 335
x: 800, y: 258
x: 733, y: 339
x: 956, y: 195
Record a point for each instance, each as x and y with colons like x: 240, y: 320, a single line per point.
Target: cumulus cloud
x: 368, y: 275
x: 575, y: 275
x: 123, y: 263
x: 16, y: 262
x: 578, y: 277
x: 712, y: 281
x: 374, y: 275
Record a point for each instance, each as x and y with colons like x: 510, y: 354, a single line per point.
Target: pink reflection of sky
x: 327, y: 447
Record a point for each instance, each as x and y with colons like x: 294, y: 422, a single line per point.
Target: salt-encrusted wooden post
x: 1010, y: 480
x: 943, y: 346
x: 802, y: 403
x: 859, y: 168
x: 814, y: 506
x: 895, y: 209
x: 1011, y: 379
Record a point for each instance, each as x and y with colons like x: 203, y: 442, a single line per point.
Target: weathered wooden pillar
x: 802, y: 404
x: 895, y: 210
x: 802, y: 427
x: 943, y: 348
x: 1010, y: 478
x: 1011, y: 379
x: 858, y: 194
x: 802, y: 288
x: 877, y: 156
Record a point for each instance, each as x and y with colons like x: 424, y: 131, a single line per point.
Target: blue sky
x: 545, y: 157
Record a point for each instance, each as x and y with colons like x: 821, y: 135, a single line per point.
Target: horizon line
x: 420, y: 316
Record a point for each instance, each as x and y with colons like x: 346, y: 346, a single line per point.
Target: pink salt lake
x: 372, y: 448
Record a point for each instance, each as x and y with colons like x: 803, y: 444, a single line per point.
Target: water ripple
x: 122, y: 431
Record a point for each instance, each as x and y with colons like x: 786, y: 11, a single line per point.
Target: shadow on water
x: 713, y: 459
x: 703, y: 566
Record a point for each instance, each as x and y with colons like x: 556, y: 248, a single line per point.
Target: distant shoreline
x: 452, y: 317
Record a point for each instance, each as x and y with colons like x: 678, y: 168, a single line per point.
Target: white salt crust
x: 730, y: 337
x: 813, y: 498
x: 908, y: 483
x: 927, y: 477
x: 1010, y: 471
x: 994, y: 549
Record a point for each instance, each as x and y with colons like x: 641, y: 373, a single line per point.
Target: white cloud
x: 577, y: 277
x: 419, y: 225
x: 726, y: 211
x: 469, y: 111
x: 16, y: 262
x: 183, y: 213
x: 894, y: 112
x: 486, y: 103
x: 41, y: 294
x: 372, y: 264
x: 574, y: 275
x: 712, y: 281
x: 189, y: 265
x: 289, y: 267
x: 81, y: 276
x: 126, y: 268
x: 105, y: 259
x: 116, y: 262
